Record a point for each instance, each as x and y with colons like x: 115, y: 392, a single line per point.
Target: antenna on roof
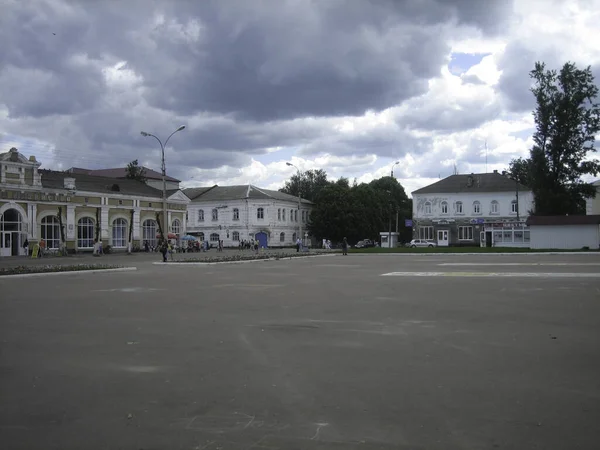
x: 455, y: 169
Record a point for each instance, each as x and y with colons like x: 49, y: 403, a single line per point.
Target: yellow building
x: 75, y: 209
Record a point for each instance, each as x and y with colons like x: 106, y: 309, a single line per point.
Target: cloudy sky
x: 348, y: 86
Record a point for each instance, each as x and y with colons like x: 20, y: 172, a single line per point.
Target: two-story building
x: 487, y: 209
x: 72, y: 209
x: 244, y: 213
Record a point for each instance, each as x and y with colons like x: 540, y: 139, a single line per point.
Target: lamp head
x: 288, y: 164
x: 180, y: 128
x: 143, y: 133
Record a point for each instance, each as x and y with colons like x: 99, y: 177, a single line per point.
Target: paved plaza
x: 331, y: 352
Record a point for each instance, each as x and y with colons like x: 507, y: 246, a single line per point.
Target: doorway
x: 11, y: 236
x: 262, y: 239
x: 442, y: 238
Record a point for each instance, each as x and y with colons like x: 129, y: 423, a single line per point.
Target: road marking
x: 521, y: 264
x: 492, y: 274
x: 131, y: 289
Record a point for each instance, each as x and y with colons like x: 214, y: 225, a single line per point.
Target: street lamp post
x: 164, y: 176
x: 517, y: 192
x: 392, y: 171
x: 299, y: 213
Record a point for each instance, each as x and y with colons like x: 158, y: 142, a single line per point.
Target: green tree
x: 330, y: 217
x: 306, y: 184
x: 567, y: 119
x: 134, y: 171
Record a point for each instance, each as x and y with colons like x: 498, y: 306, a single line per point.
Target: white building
x: 592, y: 205
x: 242, y: 213
x: 487, y: 209
x: 565, y: 232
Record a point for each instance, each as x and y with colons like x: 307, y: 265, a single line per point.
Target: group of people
x: 249, y: 245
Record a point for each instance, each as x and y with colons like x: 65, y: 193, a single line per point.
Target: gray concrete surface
x: 316, y: 353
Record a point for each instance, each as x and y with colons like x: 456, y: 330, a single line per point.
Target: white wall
x: 248, y: 223
x: 592, y: 205
x: 569, y: 237
x: 485, y: 199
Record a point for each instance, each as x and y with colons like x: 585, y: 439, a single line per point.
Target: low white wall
x: 568, y: 237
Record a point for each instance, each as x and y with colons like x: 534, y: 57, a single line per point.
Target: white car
x: 421, y: 243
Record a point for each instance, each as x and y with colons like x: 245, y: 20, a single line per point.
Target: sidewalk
x: 122, y: 258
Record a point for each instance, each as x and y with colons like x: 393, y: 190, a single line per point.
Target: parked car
x: 421, y: 243
x: 365, y: 243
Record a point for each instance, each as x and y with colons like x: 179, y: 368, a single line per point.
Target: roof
x: 248, y: 191
x: 121, y: 172
x: 564, y: 220
x: 13, y: 155
x: 475, y: 182
x: 55, y: 180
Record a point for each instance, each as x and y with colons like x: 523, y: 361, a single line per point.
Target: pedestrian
x: 26, y: 247
x: 345, y: 246
x: 163, y: 250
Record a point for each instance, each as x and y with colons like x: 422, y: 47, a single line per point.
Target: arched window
x: 494, y: 207
x: 176, y: 226
x: 296, y: 215
x: 200, y: 215
x: 283, y: 214
x: 444, y: 207
x: 149, y: 230
x: 85, y: 233
x: 214, y: 237
x: 260, y: 213
x: 215, y: 214
x: 119, y: 233
x: 307, y: 216
x: 235, y: 236
x: 279, y: 214
x: 476, y: 208
x: 459, y: 207
x: 281, y: 237
x: 294, y: 239
x: 236, y: 214
x: 427, y: 208
x: 50, y: 231
x: 201, y: 237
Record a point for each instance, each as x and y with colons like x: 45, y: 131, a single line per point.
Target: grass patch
x: 458, y: 250
x: 18, y: 270
x: 249, y: 257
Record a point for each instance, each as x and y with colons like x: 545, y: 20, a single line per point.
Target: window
x: 476, y: 208
x: 427, y: 208
x: 494, y: 207
x: 215, y: 214
x: 303, y: 216
x: 51, y: 231
x: 235, y: 236
x: 176, y: 226
x: 279, y: 214
x: 294, y: 239
x: 283, y: 215
x: 201, y: 237
x: 86, y: 200
x: 307, y: 216
x: 119, y: 233
x: 426, y: 233
x: 149, y: 230
x: 150, y: 205
x: 200, y: 215
x: 281, y: 237
x: 260, y: 213
x: 465, y: 233
x: 236, y: 214
x: 459, y: 207
x: 120, y: 202
x: 214, y: 237
x: 444, y: 207
x: 295, y: 215
x: 85, y: 233
x: 513, y: 207
x: 526, y: 235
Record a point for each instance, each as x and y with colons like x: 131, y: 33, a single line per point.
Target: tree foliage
x: 306, y: 184
x: 567, y: 119
x: 134, y: 171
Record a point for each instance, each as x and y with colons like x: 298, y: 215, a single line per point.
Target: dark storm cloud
x: 254, y: 63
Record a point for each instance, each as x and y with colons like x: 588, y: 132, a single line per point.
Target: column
x: 169, y: 221
x: 136, y: 224
x: 105, y: 226
x: 71, y: 229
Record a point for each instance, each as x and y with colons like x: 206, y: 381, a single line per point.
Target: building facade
x: 243, y: 213
x: 487, y: 209
x: 71, y: 209
x: 592, y: 205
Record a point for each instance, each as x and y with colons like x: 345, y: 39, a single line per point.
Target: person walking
x: 345, y: 246
x: 164, y: 248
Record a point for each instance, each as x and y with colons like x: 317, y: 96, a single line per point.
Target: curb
x: 44, y: 274
x: 199, y: 263
x: 479, y: 254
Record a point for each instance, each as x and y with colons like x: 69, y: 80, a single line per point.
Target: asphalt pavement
x: 332, y: 352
